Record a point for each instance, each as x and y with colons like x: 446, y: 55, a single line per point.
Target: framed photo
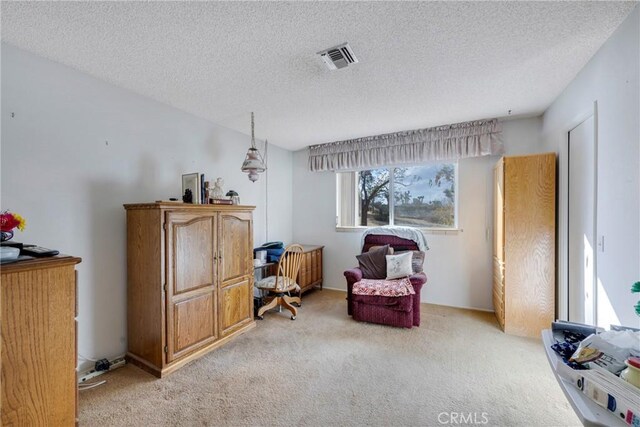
x: 191, y: 181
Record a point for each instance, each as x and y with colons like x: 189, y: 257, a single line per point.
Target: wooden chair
x: 283, y: 282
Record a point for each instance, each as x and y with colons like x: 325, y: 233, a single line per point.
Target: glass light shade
x: 253, y: 164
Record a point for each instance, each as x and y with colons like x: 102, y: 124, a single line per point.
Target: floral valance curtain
x: 451, y: 142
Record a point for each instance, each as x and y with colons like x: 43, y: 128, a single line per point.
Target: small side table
x: 589, y: 413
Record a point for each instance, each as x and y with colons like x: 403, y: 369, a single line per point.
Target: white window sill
x: 360, y: 229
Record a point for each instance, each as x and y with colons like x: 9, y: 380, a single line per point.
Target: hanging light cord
x: 253, y: 138
x: 266, y: 178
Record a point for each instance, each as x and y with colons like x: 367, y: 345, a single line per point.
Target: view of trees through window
x: 419, y: 196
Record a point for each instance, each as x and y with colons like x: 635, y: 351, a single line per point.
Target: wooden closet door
x: 529, y: 243
x: 236, y: 270
x: 498, y: 242
x: 191, y: 282
x: 498, y: 223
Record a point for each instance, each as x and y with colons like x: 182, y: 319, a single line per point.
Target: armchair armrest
x: 417, y: 281
x: 353, y: 275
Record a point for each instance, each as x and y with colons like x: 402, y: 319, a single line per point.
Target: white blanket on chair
x: 399, y: 231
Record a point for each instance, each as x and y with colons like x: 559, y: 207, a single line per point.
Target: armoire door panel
x: 236, y: 305
x: 193, y: 251
x: 191, y: 281
x: 236, y: 246
x: 194, y: 323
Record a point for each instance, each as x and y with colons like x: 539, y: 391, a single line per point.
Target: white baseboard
x: 460, y: 307
x: 334, y: 289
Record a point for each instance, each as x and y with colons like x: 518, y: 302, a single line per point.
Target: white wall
x: 279, y: 198
x: 78, y: 148
x: 459, y: 264
x: 612, y: 79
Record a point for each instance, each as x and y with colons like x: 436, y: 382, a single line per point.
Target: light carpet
x: 325, y: 369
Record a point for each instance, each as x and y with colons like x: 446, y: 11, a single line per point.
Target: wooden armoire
x: 190, y: 281
x: 524, y: 243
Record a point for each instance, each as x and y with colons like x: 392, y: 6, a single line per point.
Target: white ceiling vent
x: 338, y: 57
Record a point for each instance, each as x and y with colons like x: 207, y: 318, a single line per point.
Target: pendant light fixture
x: 253, y: 162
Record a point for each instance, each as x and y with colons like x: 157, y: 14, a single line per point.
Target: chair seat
x: 384, y: 287
x: 269, y: 283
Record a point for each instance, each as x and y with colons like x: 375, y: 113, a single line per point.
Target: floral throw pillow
x: 399, y: 265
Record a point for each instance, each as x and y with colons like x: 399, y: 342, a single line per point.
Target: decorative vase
x: 6, y: 235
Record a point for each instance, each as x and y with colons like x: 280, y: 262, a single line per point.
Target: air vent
x: 338, y: 57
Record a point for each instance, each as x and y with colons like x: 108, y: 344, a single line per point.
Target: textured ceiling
x: 421, y: 63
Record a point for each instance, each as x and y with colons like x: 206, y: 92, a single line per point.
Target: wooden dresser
x: 524, y: 243
x: 39, y: 346
x: 310, y: 274
x: 190, y: 281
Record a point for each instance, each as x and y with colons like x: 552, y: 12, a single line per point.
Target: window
x: 416, y: 196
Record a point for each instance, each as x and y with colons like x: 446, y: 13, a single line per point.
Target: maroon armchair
x: 393, y: 311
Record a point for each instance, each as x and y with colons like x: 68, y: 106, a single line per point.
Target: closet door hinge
x: 164, y: 225
x: 166, y: 349
x: 164, y: 287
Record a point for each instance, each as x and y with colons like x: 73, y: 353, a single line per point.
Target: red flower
x: 9, y: 221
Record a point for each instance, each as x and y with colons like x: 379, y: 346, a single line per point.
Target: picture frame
x: 191, y: 181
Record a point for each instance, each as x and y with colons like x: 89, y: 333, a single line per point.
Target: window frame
x: 431, y: 230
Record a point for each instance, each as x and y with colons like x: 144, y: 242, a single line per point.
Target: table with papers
x: 589, y: 412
